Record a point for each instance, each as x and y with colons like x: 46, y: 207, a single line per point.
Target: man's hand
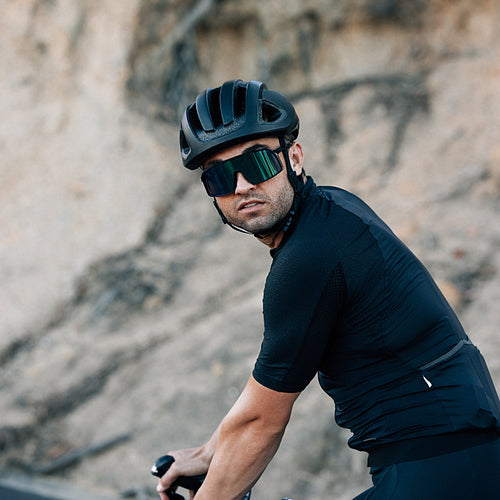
x: 188, y: 462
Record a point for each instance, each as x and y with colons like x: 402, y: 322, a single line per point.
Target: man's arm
x: 248, y: 438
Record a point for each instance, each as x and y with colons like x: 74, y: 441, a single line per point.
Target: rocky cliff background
x: 130, y: 317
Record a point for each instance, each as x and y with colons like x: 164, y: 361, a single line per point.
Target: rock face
x: 126, y: 306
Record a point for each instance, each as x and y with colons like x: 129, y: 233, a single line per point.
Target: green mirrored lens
x: 262, y: 166
x: 256, y: 167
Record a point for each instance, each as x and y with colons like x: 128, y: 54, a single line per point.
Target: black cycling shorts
x: 469, y: 474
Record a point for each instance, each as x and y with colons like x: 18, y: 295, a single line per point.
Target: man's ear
x: 296, y: 155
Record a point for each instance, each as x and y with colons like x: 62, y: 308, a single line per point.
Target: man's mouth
x: 249, y: 205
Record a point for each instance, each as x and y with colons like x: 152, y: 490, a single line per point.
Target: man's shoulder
x: 346, y: 203
x: 332, y: 205
x: 341, y: 197
x: 328, y: 219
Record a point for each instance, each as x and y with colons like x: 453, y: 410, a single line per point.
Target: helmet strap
x: 225, y: 221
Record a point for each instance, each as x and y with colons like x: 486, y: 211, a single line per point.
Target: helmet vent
x: 184, y: 144
x: 214, y: 107
x: 193, y: 118
x: 241, y: 93
x: 270, y: 113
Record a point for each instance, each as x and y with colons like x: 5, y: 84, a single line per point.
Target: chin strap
x: 225, y: 221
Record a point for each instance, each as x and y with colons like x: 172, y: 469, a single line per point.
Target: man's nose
x: 242, y: 184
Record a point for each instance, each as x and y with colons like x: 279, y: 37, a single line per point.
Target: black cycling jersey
x: 347, y: 300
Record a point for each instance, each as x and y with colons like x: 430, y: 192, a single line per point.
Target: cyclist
x: 344, y: 299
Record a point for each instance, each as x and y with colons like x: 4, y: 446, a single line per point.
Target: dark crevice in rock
x: 154, y: 230
x: 401, y: 95
x: 14, y: 348
x: 406, y: 13
x: 164, y: 66
x: 57, y: 406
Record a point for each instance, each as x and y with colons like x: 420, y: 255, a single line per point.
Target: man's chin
x: 258, y: 227
x: 263, y: 231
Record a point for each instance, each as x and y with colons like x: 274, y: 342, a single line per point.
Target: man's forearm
x: 243, y: 451
x: 248, y: 438
x: 241, y: 447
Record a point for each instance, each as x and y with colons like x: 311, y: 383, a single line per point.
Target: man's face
x: 255, y: 207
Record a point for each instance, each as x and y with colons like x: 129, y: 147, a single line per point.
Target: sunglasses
x: 256, y: 166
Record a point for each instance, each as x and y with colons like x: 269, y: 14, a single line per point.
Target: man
x: 345, y: 300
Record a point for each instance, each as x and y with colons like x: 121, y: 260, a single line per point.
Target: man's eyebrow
x: 255, y: 147
x: 250, y: 149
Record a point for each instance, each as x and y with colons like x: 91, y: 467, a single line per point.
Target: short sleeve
x: 302, y: 302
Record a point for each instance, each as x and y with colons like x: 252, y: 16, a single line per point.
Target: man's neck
x: 271, y: 240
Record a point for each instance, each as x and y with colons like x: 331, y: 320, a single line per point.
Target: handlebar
x: 161, y: 466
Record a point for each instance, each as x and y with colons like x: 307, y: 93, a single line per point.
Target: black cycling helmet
x: 235, y: 112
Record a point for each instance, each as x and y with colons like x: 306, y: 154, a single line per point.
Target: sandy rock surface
x: 130, y: 316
